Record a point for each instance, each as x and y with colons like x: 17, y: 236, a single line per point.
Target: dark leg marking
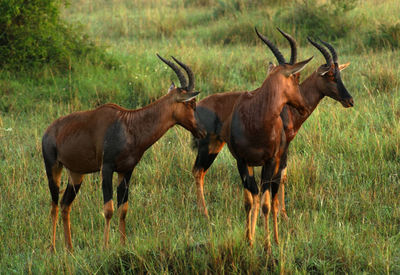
x: 107, y: 174
x: 248, y: 180
x: 53, y: 167
x: 70, y: 194
x: 123, y: 189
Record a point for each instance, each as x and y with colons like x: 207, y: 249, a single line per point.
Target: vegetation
x: 33, y: 34
x: 343, y: 168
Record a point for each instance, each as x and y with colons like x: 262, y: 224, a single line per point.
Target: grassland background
x: 344, y: 165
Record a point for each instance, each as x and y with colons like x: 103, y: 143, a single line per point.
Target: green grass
x: 343, y: 167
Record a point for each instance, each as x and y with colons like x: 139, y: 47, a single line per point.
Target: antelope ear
x: 184, y: 97
x: 296, y: 68
x: 171, y: 87
x: 343, y: 66
x: 270, y: 67
x: 322, y: 70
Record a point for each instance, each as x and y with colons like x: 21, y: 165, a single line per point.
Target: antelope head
x: 289, y: 72
x: 183, y: 98
x: 329, y: 81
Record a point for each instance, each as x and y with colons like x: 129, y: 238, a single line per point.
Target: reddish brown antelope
x: 111, y: 139
x: 255, y: 135
x: 325, y: 81
x: 214, y: 110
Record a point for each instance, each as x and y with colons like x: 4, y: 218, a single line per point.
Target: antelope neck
x: 268, y: 101
x: 150, y: 122
x: 310, y: 93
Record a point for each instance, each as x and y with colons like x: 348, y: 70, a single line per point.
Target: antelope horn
x: 274, y: 49
x: 189, y: 72
x: 324, y: 52
x: 293, y: 46
x: 332, y: 50
x: 175, y: 68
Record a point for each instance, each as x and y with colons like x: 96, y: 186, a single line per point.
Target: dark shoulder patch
x: 208, y: 120
x: 114, y: 142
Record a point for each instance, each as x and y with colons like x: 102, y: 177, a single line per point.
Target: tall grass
x: 343, y: 167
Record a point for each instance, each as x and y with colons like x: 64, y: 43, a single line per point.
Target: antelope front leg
x: 251, y: 199
x: 122, y: 198
x: 255, y: 208
x: 201, y: 203
x: 275, y: 209
x: 108, y: 206
x: 108, y: 209
x: 255, y: 213
x: 122, y: 223
x: 248, y: 204
x: 275, y: 204
x: 281, y: 193
x: 266, y: 208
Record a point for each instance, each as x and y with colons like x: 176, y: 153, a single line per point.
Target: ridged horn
x: 274, y: 49
x: 331, y: 49
x: 293, y: 46
x: 324, y: 52
x: 177, y: 71
x: 189, y: 72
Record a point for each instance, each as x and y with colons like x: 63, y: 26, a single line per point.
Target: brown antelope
x: 255, y: 136
x: 213, y: 111
x: 325, y: 81
x: 111, y: 139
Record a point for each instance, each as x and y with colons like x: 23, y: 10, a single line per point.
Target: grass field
x: 343, y: 170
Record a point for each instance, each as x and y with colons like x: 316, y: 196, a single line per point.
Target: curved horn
x: 175, y: 68
x: 274, y: 49
x: 189, y: 72
x: 293, y: 46
x: 331, y: 49
x: 324, y: 52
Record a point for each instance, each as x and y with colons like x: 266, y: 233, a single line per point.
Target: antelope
x: 255, y: 137
x: 325, y: 81
x: 214, y: 110
x: 111, y: 139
